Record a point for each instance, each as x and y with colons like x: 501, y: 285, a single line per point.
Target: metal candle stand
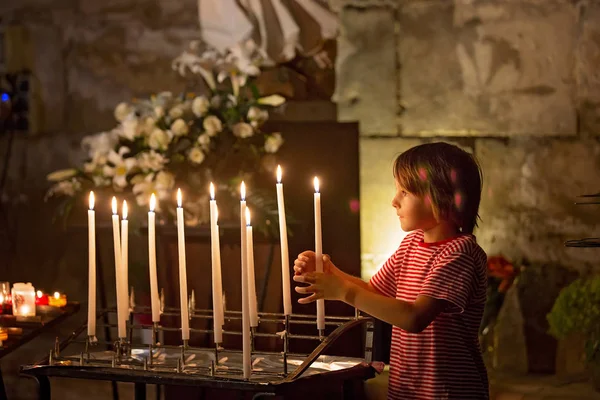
x: 158, y: 358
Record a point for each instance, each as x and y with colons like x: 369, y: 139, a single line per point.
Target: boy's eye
x: 404, y: 193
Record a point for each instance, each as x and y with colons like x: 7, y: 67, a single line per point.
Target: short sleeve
x: 452, y: 278
x: 384, y: 280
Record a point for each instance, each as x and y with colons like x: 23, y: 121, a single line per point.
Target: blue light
x: 4, y: 97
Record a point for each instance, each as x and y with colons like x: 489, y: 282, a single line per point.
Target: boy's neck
x: 442, y: 231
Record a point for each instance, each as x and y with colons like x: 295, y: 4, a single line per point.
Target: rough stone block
x: 588, y: 73
x: 366, y: 70
x: 481, y: 68
x: 527, y: 205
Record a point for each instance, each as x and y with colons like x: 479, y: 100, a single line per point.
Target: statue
x: 293, y: 39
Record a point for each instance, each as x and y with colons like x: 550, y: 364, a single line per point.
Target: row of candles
x: 249, y: 304
x: 23, y: 299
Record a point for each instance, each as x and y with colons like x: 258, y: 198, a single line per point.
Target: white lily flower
x: 65, y: 188
x: 273, y: 100
x: 61, y: 174
x: 122, y: 166
x: 143, y: 187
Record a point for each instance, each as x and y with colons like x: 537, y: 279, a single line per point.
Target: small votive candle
x: 41, y: 298
x: 3, y: 335
x: 23, y: 299
x: 57, y: 300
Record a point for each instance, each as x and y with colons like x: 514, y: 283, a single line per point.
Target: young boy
x: 433, y: 289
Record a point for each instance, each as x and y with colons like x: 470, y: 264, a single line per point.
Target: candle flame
x: 56, y: 295
x: 124, y: 209
x: 179, y: 200
x: 212, y: 191
x: 248, y: 216
x: 25, y: 310
x: 243, y: 191
x: 114, y: 205
x: 316, y: 181
x: 92, y: 200
x: 152, y: 202
x: 279, y: 173
x: 39, y: 294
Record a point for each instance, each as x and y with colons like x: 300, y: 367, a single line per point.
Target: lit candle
x: 118, y: 259
x: 285, y: 258
x: 246, y: 356
x: 251, y: 276
x: 25, y: 311
x: 57, y: 300
x: 217, y: 287
x: 185, y: 322
x: 41, y: 299
x: 91, y: 268
x: 319, y: 253
x: 125, y: 262
x: 154, y: 300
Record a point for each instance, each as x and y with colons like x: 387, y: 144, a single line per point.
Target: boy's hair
x: 449, y: 176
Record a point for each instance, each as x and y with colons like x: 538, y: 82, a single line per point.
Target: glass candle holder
x: 41, y: 298
x: 23, y: 299
x: 4, y: 297
x: 3, y: 335
x: 57, y: 300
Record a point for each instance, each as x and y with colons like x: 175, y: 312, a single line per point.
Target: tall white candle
x: 251, y: 275
x: 154, y: 300
x: 121, y: 331
x: 125, y: 255
x: 220, y: 276
x: 91, y: 268
x: 283, y: 239
x: 246, y: 356
x: 217, y: 287
x: 185, y: 322
x: 319, y: 253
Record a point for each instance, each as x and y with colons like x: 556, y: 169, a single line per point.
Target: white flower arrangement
x: 182, y: 140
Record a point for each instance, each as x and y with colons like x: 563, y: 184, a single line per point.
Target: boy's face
x: 414, y: 212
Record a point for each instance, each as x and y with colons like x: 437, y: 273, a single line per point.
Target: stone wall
x: 516, y: 82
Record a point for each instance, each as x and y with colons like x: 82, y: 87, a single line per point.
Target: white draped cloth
x: 279, y: 30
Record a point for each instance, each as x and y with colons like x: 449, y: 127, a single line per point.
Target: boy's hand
x: 327, y: 285
x: 306, y: 263
x: 321, y: 286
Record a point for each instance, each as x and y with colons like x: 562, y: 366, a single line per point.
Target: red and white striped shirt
x: 444, y: 360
